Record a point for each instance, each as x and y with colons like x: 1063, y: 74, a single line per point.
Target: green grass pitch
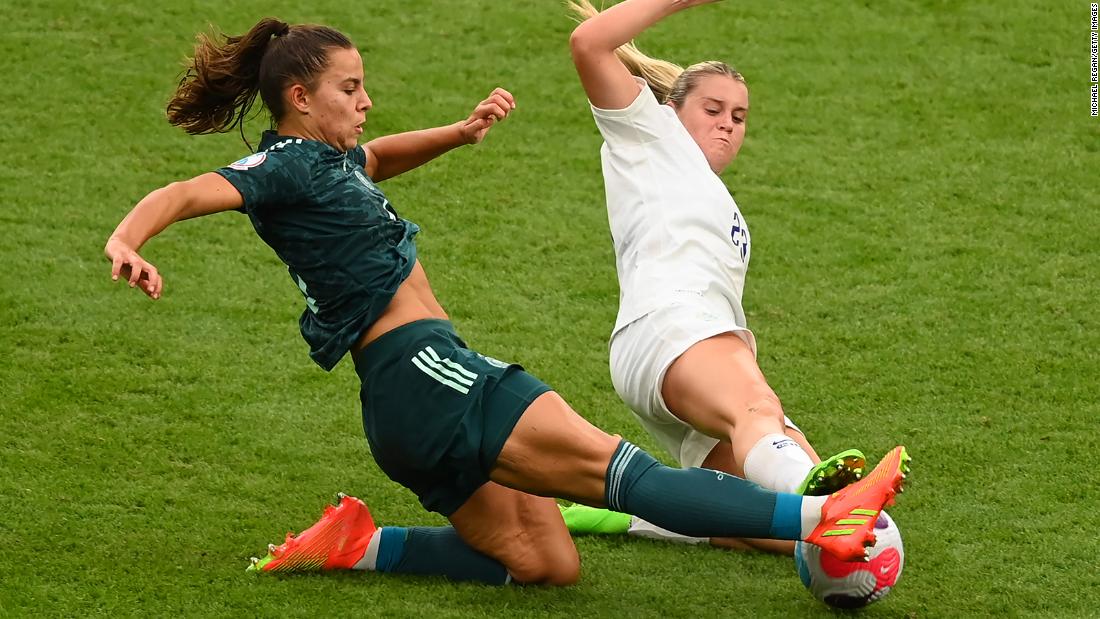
x: 921, y: 182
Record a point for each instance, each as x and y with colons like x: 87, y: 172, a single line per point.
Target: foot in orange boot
x: 848, y: 516
x: 337, y: 541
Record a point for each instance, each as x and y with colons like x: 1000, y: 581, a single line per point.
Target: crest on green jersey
x: 248, y: 162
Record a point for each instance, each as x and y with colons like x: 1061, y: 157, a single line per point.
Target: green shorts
x: 436, y: 413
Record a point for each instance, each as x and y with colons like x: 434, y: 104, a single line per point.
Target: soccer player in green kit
x: 479, y: 441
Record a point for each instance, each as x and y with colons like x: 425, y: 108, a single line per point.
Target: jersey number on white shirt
x: 740, y: 236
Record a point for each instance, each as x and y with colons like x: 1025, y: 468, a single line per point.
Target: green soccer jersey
x: 342, y: 241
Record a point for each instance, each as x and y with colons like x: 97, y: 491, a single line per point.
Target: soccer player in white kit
x: 682, y: 356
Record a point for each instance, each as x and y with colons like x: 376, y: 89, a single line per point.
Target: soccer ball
x: 853, y: 584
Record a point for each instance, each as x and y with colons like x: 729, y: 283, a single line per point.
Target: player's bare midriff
x: 413, y: 301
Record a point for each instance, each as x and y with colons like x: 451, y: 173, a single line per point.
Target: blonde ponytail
x: 669, y: 82
x: 659, y: 74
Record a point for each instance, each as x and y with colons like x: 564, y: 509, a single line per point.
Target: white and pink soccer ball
x: 853, y: 584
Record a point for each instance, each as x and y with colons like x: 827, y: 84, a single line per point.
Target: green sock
x: 436, y: 551
x: 698, y: 502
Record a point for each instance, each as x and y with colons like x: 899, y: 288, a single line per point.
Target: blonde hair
x: 669, y: 81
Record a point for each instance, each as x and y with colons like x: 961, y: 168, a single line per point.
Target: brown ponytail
x: 222, y: 81
x: 223, y: 78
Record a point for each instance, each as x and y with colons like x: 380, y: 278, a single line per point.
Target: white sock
x: 648, y: 530
x: 811, y: 513
x: 778, y: 463
x: 370, y: 557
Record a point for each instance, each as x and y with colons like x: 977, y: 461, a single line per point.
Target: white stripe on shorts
x: 451, y: 364
x: 431, y: 371
x: 451, y: 374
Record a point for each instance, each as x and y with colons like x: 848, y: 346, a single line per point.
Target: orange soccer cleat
x: 336, y: 542
x: 848, y: 516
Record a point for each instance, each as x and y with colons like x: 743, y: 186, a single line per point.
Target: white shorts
x: 641, y: 353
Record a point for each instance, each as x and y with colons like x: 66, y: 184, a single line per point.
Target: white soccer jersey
x: 677, y: 231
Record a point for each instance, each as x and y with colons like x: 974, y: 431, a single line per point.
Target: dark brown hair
x: 226, y: 73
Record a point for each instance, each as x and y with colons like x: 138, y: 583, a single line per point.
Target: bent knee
x: 761, y: 405
x: 558, y: 567
x: 764, y: 403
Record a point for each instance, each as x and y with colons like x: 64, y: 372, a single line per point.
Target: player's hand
x: 487, y: 113
x: 127, y: 264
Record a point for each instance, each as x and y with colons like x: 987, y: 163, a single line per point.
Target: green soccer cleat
x: 585, y: 520
x: 833, y: 473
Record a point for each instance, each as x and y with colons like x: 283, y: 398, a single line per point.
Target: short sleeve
x: 644, y: 120
x: 268, y: 178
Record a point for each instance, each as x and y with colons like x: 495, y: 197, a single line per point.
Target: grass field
x: 921, y: 179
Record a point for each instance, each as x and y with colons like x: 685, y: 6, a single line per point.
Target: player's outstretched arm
x: 202, y: 195
x: 606, y: 80
x: 395, y: 154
